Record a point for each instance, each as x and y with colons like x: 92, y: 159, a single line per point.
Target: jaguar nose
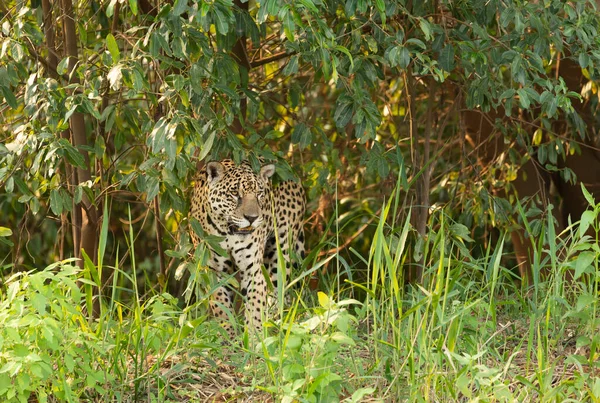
x: 251, y: 218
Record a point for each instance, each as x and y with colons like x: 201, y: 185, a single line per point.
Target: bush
x: 47, y: 347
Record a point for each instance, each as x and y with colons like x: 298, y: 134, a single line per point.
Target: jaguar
x: 254, y: 220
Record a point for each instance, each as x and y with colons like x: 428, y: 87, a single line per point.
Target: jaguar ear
x: 215, y: 170
x: 267, y: 171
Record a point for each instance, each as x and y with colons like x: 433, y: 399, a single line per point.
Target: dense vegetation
x: 410, y: 124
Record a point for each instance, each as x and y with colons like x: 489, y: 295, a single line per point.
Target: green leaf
x: 179, y: 7
x: 263, y: 12
x: 447, y: 58
x: 292, y: 66
x: 552, y: 107
x: 289, y: 27
x: 113, y: 48
x: 221, y: 22
x: 110, y: 9
x: 583, y: 262
x: 309, y: 4
x: 426, y: 28
x: 88, y: 106
x: 346, y: 52
x: 343, y: 114
x: 55, y: 202
x: 71, y: 154
x: 67, y: 201
x: 4, y: 232
x: 62, y: 66
x: 301, y: 135
x: 587, y: 195
x: 78, y: 195
x: 207, y: 146
x: 404, y: 58
x: 417, y: 42
x: 133, y: 5
x: 523, y: 98
x: 509, y: 93
x: 10, y: 98
x: 596, y: 388
x: 461, y: 231
x: 38, y: 301
x: 152, y: 188
x: 587, y: 218
x: 359, y: 395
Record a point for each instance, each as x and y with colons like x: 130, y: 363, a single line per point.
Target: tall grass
x: 466, y: 332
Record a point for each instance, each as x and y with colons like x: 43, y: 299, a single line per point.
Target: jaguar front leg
x: 253, y: 286
x: 221, y: 301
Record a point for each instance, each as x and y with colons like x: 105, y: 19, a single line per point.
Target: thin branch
x: 273, y: 58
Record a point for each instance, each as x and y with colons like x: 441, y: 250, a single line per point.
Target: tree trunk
x: 85, y: 214
x: 421, y: 161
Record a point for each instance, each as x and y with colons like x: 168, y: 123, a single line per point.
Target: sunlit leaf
x: 114, y: 77
x: 113, y: 48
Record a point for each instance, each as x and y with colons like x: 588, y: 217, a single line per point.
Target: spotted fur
x: 234, y: 202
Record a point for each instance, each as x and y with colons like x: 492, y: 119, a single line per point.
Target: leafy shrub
x: 46, y: 345
x: 308, y: 355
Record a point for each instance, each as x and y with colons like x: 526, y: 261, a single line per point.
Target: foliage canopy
x: 112, y: 101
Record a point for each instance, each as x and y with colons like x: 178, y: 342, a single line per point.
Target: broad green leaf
x: 289, y: 27
x: 447, y: 58
x: 56, y: 202
x: 110, y: 9
x: 596, y: 388
x: 4, y: 232
x: 71, y: 153
x: 552, y: 107
x: 301, y: 135
x: 347, y: 53
x: 417, y: 42
x: 221, y: 22
x: 587, y: 218
x: 426, y: 28
x: 67, y: 201
x: 179, y: 7
x: 133, y: 5
x: 461, y: 231
x: 10, y: 98
x: 292, y: 66
x: 88, y: 106
x: 113, y: 48
x: 152, y: 188
x: 584, y: 60
x: 263, y: 12
x: 70, y: 112
x: 583, y: 262
x: 309, y: 4
x: 343, y: 114
x: 523, y: 99
x: 78, y: 195
x: 360, y: 394
x: 404, y: 58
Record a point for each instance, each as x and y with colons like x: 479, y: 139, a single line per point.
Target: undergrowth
x: 468, y: 331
